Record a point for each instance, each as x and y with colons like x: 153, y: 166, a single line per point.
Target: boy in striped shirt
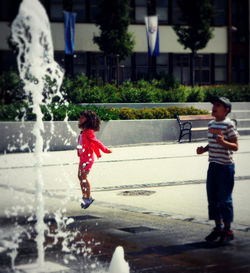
x: 222, y: 141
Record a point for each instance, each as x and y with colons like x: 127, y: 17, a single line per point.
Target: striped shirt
x: 218, y: 153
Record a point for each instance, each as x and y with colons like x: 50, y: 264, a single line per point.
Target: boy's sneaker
x: 226, y: 236
x: 214, y: 235
x: 88, y: 202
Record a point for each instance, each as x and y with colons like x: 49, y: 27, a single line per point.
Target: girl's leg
x: 84, y: 182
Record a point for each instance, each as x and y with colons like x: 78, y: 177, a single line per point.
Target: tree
x: 197, y: 31
x: 113, y: 20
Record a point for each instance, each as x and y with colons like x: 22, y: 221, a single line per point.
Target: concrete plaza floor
x: 150, y: 199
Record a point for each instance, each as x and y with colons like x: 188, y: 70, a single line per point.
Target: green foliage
x: 113, y: 21
x: 110, y: 93
x: 11, y: 88
x: 196, y: 31
x: 142, y: 91
x: 166, y: 81
x: 176, y: 95
x: 126, y: 113
x: 80, y: 89
x: 55, y: 111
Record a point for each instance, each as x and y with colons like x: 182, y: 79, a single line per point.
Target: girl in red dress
x: 88, y: 144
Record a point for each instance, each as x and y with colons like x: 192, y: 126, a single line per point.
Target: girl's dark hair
x: 92, y: 122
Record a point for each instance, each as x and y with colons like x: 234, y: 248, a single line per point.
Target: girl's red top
x: 89, y: 144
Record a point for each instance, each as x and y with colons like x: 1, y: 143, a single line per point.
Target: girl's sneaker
x: 87, y: 202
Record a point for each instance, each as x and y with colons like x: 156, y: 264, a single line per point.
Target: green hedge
x: 149, y: 91
x: 81, y: 89
x: 22, y: 111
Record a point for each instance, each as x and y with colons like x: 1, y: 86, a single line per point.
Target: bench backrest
x: 195, y: 117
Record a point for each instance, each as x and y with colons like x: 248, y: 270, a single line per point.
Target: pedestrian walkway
x: 134, y: 169
x: 150, y: 199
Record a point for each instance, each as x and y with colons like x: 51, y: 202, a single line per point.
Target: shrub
x: 167, y: 81
x: 20, y: 110
x: 110, y: 93
x: 129, y: 94
x: 156, y: 113
x: 176, y: 95
x: 163, y: 88
x: 126, y: 113
x: 11, y: 88
x: 196, y: 94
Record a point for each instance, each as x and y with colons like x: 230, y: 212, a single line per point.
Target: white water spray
x: 118, y: 264
x: 32, y: 36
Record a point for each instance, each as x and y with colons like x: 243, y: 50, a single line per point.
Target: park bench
x: 186, y: 126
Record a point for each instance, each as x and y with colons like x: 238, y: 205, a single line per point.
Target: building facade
x: 226, y: 58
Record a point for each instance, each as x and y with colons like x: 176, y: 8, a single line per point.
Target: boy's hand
x: 220, y: 138
x: 200, y: 150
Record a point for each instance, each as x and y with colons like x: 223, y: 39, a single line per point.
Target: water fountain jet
x: 32, y: 38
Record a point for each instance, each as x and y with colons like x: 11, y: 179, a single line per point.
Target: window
x: 125, y: 69
x: 56, y: 10
x: 141, y: 62
x: 220, y: 71
x: 140, y: 10
x: 162, y: 10
x: 79, y: 7
x: 79, y: 63
x: 181, y: 69
x: 97, y: 65
x: 202, y: 69
x: 162, y: 63
x: 59, y: 58
x: 93, y: 12
x: 220, y: 7
x: 176, y: 14
x: 239, y: 69
x: 7, y: 61
x: 8, y: 10
x: 240, y: 22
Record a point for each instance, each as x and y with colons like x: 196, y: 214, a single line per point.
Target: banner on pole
x: 69, y: 31
x: 152, y: 30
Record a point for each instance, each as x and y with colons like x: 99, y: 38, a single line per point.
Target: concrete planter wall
x: 17, y: 136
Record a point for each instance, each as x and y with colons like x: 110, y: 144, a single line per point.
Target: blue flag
x: 69, y: 31
x: 152, y: 30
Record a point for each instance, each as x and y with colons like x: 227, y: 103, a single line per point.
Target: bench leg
x: 180, y: 136
x: 190, y: 136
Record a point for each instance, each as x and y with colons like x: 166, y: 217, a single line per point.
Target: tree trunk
x: 117, y: 70
x: 105, y: 68
x: 96, y: 69
x: 192, y: 68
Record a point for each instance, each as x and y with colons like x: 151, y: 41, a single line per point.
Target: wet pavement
x: 151, y: 244
x: 158, y: 215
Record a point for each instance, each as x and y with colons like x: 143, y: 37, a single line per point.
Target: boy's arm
x: 232, y: 144
x: 201, y: 149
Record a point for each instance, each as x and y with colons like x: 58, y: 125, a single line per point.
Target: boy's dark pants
x: 220, y: 183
